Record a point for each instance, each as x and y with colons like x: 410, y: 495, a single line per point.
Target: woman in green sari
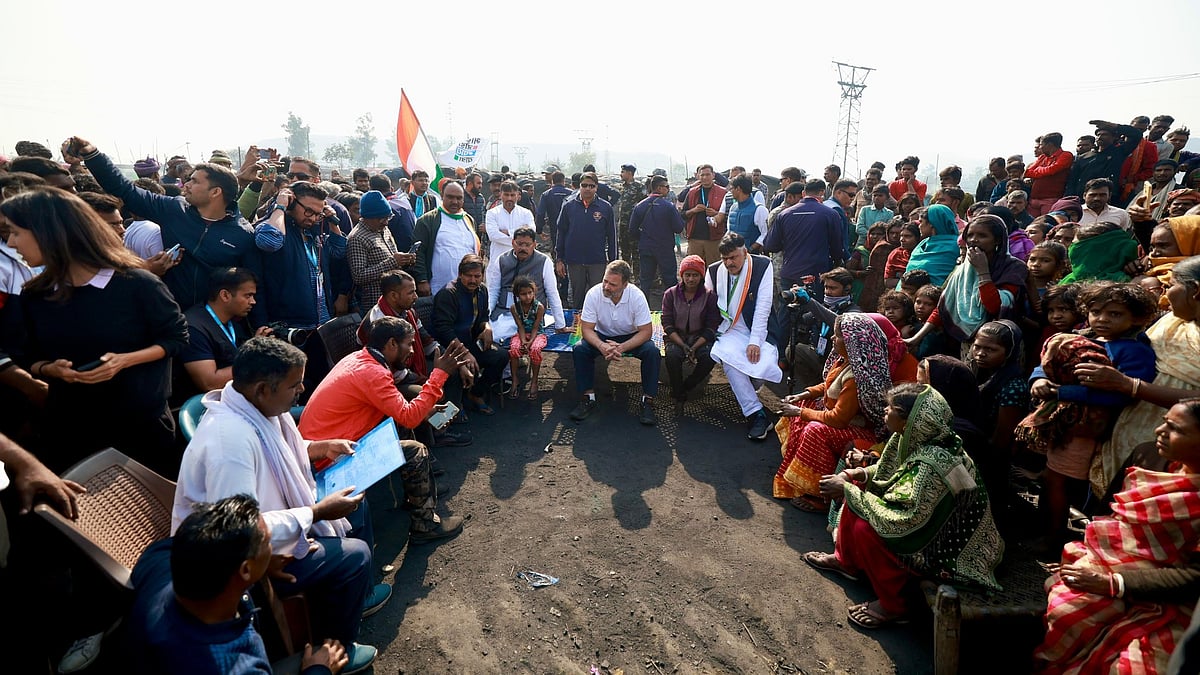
x: 920, y: 512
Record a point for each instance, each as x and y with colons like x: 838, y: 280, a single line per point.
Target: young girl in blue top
x: 528, y: 313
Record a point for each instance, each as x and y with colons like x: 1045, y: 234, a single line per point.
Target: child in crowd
x: 925, y: 301
x: 898, y: 308
x: 1037, y: 230
x: 912, y: 281
x: 1046, y: 264
x: 1072, y: 419
x: 528, y: 313
x: 1060, y: 312
x: 859, y: 263
x: 910, y: 236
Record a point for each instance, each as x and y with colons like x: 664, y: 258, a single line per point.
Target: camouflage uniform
x: 631, y: 195
x: 420, y: 494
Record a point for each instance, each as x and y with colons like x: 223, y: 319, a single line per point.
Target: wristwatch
x: 279, y: 206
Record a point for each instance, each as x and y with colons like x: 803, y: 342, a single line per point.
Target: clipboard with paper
x: 376, y: 455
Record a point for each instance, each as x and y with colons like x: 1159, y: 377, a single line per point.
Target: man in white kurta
x: 744, y: 285
x: 248, y: 443
x: 505, y: 218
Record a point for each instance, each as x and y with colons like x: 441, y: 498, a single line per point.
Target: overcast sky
x: 959, y: 79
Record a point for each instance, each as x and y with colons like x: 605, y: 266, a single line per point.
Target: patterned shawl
x: 926, y: 501
x: 1155, y: 524
x: 1053, y: 421
x: 866, y: 352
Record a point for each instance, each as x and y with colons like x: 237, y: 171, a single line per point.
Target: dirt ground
x: 671, y: 554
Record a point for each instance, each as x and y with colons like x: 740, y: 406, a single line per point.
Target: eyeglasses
x: 588, y: 185
x: 309, y: 212
x: 299, y: 176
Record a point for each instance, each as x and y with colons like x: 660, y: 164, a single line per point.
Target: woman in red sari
x: 818, y: 424
x: 1123, y: 596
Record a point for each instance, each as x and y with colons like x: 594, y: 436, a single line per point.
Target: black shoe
x: 759, y: 427
x: 448, y: 527
x: 448, y: 439
x: 647, y: 417
x: 585, y: 408
x: 435, y: 467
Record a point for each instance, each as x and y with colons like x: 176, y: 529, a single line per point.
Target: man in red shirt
x: 1049, y: 172
x: 908, y: 180
x: 360, y: 392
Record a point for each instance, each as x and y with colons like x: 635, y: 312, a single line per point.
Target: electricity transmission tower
x: 852, y: 80
x: 520, y: 150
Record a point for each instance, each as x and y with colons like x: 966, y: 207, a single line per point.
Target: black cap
x: 794, y: 188
x: 629, y: 167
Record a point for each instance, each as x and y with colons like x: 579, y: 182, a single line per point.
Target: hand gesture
x: 74, y: 148
x: 331, y: 654
x: 284, y: 197
x: 832, y: 486
x: 789, y: 410
x: 454, y: 357
x: 1103, y: 377
x: 1043, y: 388
x: 337, y: 505
x: 977, y: 259
x: 160, y: 262
x: 796, y: 398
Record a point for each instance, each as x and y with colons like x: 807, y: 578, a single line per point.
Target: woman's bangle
x: 1112, y: 585
x: 1120, y: 584
x: 1137, y: 384
x: 39, y: 368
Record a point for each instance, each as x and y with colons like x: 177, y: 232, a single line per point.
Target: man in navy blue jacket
x: 204, y: 222
x: 587, y: 239
x: 654, y: 223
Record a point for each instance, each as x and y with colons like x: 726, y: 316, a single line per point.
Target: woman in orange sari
x: 847, y: 407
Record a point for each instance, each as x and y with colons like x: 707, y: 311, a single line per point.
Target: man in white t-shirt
x: 616, y: 321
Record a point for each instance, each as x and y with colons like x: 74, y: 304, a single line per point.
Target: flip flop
x: 533, y: 395
x: 806, y: 505
x: 862, y: 616
x: 817, y: 560
x: 482, y: 408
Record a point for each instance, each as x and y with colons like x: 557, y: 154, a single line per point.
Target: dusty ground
x: 671, y: 553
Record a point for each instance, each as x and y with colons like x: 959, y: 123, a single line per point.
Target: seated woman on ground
x: 920, y: 512
x: 847, y: 407
x: 1121, y: 598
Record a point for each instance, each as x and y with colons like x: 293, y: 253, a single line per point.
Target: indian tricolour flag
x: 412, y: 146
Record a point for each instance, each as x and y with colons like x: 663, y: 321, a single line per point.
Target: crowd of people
x: 947, y: 355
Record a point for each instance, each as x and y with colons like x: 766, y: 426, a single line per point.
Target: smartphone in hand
x: 89, y: 366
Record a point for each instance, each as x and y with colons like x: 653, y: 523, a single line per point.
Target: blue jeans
x: 335, y: 580
x: 653, y: 262
x: 584, y: 356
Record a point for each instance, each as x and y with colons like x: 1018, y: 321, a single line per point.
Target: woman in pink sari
x: 1123, y: 596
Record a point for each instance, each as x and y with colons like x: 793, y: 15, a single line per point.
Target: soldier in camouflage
x: 632, y: 193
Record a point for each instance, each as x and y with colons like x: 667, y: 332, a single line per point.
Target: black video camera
x: 294, y: 336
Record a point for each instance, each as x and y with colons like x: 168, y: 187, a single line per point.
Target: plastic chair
x: 340, y: 337
x: 126, y: 508
x: 189, y: 416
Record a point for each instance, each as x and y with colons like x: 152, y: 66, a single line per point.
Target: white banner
x: 464, y: 155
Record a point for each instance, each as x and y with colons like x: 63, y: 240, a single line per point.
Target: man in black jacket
x: 460, y: 311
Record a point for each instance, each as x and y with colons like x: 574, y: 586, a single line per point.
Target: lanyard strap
x: 226, y: 329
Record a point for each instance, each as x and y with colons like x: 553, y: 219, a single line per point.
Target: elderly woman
x: 986, y: 286
x: 921, y: 511
x: 1171, y: 241
x: 1121, y: 598
x: 847, y: 407
x: 1176, y: 342
x: 938, y: 250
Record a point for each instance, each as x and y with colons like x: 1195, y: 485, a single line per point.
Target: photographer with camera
x: 811, y: 338
x: 299, y: 243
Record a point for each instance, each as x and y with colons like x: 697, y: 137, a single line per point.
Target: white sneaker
x: 81, y: 654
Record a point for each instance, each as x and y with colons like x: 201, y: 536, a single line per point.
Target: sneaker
x: 450, y: 439
x: 445, y: 528
x: 647, y: 417
x: 759, y: 428
x: 585, y: 408
x: 360, y: 658
x: 81, y: 654
x: 377, y: 599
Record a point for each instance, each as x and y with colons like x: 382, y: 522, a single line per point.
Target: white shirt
x: 144, y: 238
x: 1110, y: 214
x: 454, y: 240
x: 501, y: 224
x: 548, y: 283
x: 14, y: 272
x: 225, y: 458
x: 622, y: 318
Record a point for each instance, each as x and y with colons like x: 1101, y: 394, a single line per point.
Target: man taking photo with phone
x: 371, y: 248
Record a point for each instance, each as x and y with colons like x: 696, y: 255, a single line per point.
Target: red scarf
x: 417, y: 362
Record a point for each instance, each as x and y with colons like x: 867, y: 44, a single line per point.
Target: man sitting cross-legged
x: 360, y: 392
x: 615, y: 320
